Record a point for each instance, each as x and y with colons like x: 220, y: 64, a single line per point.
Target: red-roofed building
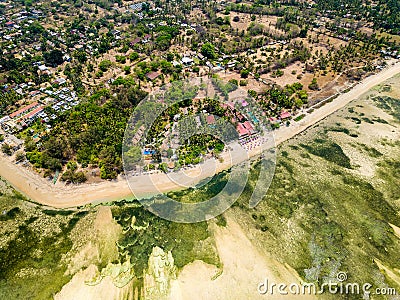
x: 135, y: 41
x: 59, y: 81
x: 152, y: 75
x: 285, y: 115
x: 24, y: 110
x: 210, y: 119
x: 34, y: 93
x: 248, y: 126
x: 241, y: 130
x: 245, y: 129
x: 228, y: 105
x: 33, y: 113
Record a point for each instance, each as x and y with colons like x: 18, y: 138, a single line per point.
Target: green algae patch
x: 329, y: 151
x: 150, y: 231
x: 31, y: 252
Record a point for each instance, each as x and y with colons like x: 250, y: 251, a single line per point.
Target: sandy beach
x: 60, y: 195
x: 242, y: 273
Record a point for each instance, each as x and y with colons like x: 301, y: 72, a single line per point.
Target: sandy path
x: 61, y: 196
x: 244, y: 268
x: 364, y: 86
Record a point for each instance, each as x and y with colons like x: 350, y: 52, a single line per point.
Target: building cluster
x: 49, y: 106
x: 241, y: 116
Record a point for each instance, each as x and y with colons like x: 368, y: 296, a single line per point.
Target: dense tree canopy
x: 54, y: 57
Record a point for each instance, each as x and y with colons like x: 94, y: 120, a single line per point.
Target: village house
x: 210, y: 120
x: 152, y: 75
x: 17, y: 114
x: 187, y: 61
x: 285, y: 115
x: 245, y: 129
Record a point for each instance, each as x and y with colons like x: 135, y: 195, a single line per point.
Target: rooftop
x: 152, y: 75
x: 210, y: 119
x: 24, y: 109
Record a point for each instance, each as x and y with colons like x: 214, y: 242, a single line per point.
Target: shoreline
x: 61, y: 196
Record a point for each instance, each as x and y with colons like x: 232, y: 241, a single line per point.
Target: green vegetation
x: 330, y: 151
x: 338, y: 129
x: 289, y: 97
x: 313, y: 85
x: 85, y: 137
x: 208, y: 50
x: 31, y: 265
x: 371, y: 151
x: 327, y: 216
x: 149, y: 231
x: 35, y: 241
x: 54, y: 57
x: 299, y: 118
x: 6, y: 149
x: 74, y: 177
x: 8, y: 100
x: 105, y: 65
x: 338, y: 220
x: 90, y: 47
x: 382, y: 14
x: 197, y: 146
x: 391, y: 105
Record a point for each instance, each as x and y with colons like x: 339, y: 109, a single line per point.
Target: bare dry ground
x: 77, y: 289
x: 99, y: 248
x: 244, y: 268
x: 62, y: 196
x: 247, y: 257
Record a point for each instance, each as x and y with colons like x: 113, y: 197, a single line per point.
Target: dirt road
x: 60, y: 195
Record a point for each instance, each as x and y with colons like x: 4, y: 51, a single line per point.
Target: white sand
x: 244, y: 268
x: 61, y: 196
x: 105, y: 290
